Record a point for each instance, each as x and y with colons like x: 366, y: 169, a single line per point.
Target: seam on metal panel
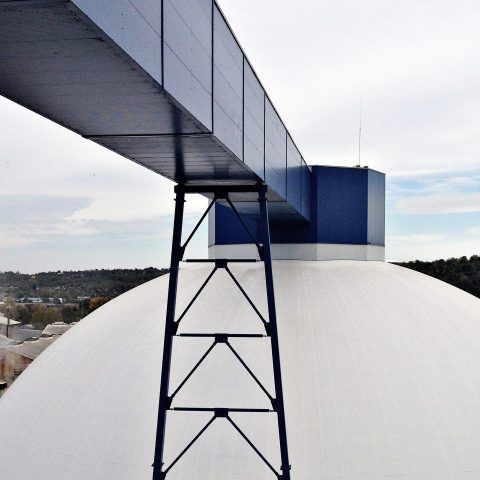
x: 286, y: 165
x: 188, y: 26
x: 264, y: 136
x: 213, y: 66
x: 143, y: 16
x: 162, y: 47
x: 186, y: 66
x: 243, y: 109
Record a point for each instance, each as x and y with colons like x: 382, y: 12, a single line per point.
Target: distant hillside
x: 461, y: 272
x: 74, y: 285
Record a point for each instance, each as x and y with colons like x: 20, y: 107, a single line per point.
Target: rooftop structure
x: 4, y: 321
x: 4, y: 341
x: 56, y: 328
x: 32, y: 347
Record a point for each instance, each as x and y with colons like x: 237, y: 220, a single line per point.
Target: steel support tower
x: 220, y: 193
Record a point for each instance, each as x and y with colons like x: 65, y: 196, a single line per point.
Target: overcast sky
x: 67, y: 203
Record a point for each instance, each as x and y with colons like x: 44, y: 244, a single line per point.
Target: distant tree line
x: 82, y: 292
x: 462, y: 272
x: 72, y: 285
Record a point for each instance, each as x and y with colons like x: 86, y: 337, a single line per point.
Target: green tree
x: 23, y: 315
x: 70, y: 315
x: 44, y: 316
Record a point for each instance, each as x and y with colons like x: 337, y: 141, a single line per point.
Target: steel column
x: 164, y: 403
x: 272, y: 320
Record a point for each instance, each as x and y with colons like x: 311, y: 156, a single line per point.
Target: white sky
x: 68, y: 203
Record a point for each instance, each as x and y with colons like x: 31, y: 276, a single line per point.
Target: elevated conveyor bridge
x: 161, y: 82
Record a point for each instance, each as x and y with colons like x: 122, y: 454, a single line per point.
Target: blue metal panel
x: 254, y: 104
x: 342, y: 203
x: 307, y: 179
x: 345, y: 201
x: 376, y: 208
x: 134, y: 25
x: 294, y: 175
x: 229, y: 230
x: 188, y: 55
x: 275, y: 151
x: 228, y: 87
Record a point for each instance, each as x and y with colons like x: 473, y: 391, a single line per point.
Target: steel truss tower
x: 160, y: 471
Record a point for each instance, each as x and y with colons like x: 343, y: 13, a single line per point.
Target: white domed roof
x: 381, y: 370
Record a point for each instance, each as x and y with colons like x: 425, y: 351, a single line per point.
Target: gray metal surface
x: 294, y: 175
x: 228, y: 87
x: 275, y: 150
x: 380, y: 370
x: 188, y: 55
x: 254, y: 122
x: 112, y: 71
x: 306, y: 190
x: 376, y: 208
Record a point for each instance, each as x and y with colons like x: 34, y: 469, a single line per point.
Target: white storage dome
x: 381, y: 370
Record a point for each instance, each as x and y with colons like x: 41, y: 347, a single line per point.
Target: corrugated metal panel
x: 125, y: 22
x: 188, y: 55
x: 275, y: 151
x: 376, y: 208
x: 228, y: 87
x: 294, y: 175
x: 254, y: 148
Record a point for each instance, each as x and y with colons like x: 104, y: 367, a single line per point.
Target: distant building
x: 16, y: 357
x: 56, y: 328
x: 28, y: 331
x: 17, y: 354
x: 13, y: 327
x: 34, y: 300
x: 4, y: 341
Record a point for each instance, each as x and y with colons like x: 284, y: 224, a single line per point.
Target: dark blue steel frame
x: 171, y: 330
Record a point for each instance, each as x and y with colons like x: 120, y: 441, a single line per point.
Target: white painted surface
x: 381, y: 371
x: 302, y: 251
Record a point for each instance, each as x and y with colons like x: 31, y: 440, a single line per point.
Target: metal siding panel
x: 254, y: 128
x: 341, y: 205
x: 294, y: 175
x: 190, y: 158
x: 275, y: 151
x: 229, y: 230
x: 134, y: 25
x: 376, y: 208
x: 306, y: 191
x: 188, y: 55
x: 228, y: 87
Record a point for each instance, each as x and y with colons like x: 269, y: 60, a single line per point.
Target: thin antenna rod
x: 360, y: 135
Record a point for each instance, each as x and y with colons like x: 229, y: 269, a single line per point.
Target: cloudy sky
x: 414, y: 66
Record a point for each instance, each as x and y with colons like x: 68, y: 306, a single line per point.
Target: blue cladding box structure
x: 350, y: 205
x: 347, y: 220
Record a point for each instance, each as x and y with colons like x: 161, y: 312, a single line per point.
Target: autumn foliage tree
x: 97, y: 302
